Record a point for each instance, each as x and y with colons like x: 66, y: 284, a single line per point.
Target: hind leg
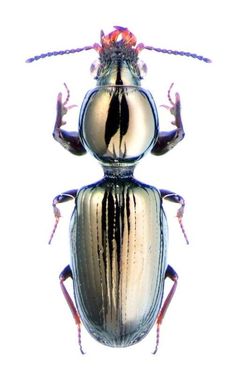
x: 64, y: 275
x: 170, y: 273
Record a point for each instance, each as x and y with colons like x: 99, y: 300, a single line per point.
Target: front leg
x: 69, y: 140
x: 168, y: 140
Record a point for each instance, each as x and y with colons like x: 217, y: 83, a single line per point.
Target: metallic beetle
x: 118, y: 227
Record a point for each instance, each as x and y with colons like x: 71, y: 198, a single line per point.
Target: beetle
x: 118, y: 229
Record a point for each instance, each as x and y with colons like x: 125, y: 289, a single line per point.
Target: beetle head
x: 118, y: 51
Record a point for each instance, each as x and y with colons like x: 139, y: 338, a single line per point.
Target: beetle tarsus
x: 179, y: 215
x: 68, y: 95
x: 169, y: 95
x: 175, y: 108
x: 168, y: 140
x: 80, y: 340
x: 157, y: 339
x: 57, y: 218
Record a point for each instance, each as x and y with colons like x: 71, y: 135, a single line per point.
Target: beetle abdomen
x: 118, y: 259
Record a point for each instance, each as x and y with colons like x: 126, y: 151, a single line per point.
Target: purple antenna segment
x: 181, y: 53
x: 55, y: 53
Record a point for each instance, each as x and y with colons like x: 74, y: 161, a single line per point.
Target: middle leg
x: 177, y: 199
x: 63, y: 197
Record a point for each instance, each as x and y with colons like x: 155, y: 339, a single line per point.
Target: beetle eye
x: 94, y: 68
x: 142, y: 68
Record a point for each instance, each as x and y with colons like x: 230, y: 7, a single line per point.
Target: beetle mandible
x: 118, y: 227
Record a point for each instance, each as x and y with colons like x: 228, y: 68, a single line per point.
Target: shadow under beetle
x: 118, y: 228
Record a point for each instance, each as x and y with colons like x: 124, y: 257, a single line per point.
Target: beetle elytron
x: 118, y: 227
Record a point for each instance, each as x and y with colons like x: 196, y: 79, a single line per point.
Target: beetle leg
x: 170, y: 272
x: 173, y: 197
x: 65, y: 274
x: 168, y: 140
x: 63, y: 197
x: 69, y: 140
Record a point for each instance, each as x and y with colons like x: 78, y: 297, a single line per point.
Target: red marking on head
x: 108, y: 40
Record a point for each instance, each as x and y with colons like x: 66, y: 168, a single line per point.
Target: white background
x: 37, y: 333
